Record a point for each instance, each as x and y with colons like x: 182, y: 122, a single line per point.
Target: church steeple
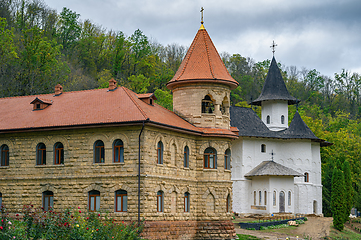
x: 201, y: 86
x: 275, y: 99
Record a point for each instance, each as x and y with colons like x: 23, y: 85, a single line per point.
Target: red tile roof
x: 90, y: 107
x: 202, y: 63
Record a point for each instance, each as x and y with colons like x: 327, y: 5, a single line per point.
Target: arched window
x: 58, y: 153
x: 4, y: 155
x: 265, y: 197
x: 268, y: 119
x: 307, y: 177
x: 260, y: 197
x: 227, y: 159
x: 99, y: 151
x: 94, y: 201
x: 118, y: 151
x: 228, y: 203
x: 254, y: 198
x: 41, y: 154
x: 210, y: 158
x: 160, y: 152
x: 186, y: 157
x: 282, y: 119
x: 274, y: 198
x: 289, y: 198
x: 48, y: 197
x: 160, y: 201
x: 186, y: 202
x: 121, y: 201
x: 207, y: 105
x: 263, y: 148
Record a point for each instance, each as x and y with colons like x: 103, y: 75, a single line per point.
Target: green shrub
x: 35, y: 223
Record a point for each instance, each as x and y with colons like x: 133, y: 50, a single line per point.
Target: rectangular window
x: 254, y: 198
x: 1, y: 199
x: 94, y: 202
x: 260, y: 197
x: 122, y: 203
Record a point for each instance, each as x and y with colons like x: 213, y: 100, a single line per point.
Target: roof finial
x: 202, y: 27
x: 273, y: 46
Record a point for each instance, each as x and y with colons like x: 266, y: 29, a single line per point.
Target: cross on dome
x: 202, y: 9
x: 273, y: 46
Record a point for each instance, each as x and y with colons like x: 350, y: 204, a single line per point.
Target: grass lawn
x: 345, y: 234
x: 246, y: 237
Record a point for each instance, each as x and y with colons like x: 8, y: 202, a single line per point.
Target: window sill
x: 186, y: 168
x: 210, y: 169
x: 121, y: 212
x: 3, y: 167
x: 227, y: 170
x: 160, y: 165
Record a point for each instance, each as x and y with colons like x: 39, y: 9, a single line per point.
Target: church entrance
x: 282, y: 202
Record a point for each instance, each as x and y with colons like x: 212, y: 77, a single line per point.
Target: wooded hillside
x: 40, y: 48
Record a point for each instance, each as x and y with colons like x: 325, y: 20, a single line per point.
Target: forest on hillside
x: 40, y: 48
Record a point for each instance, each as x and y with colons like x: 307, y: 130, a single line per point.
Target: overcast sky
x: 320, y: 34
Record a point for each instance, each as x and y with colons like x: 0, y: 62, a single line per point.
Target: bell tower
x: 275, y: 99
x: 201, y: 87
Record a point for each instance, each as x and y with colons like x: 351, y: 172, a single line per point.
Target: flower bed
x: 257, y: 226
x: 35, y: 223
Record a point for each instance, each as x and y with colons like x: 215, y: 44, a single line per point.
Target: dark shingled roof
x: 250, y: 125
x: 274, y: 87
x: 271, y: 168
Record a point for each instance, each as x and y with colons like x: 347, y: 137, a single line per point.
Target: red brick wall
x: 183, y: 230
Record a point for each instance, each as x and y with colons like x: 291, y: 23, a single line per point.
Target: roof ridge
x: 135, y: 103
x: 209, y: 58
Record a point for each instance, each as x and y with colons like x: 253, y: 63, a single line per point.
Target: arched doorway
x: 282, y: 202
x: 315, y: 207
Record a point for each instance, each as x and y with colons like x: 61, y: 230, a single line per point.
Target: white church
x: 276, y: 168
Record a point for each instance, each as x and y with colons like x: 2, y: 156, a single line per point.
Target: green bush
x: 35, y: 223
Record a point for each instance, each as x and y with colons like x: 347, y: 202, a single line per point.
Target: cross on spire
x: 202, y: 9
x: 272, y: 153
x: 273, y: 46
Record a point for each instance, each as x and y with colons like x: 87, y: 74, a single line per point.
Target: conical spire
x: 274, y: 87
x: 202, y: 63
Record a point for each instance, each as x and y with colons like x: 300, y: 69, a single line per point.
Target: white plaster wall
x: 275, y: 109
x: 301, y: 155
x: 240, y: 197
x: 259, y: 184
x: 284, y: 184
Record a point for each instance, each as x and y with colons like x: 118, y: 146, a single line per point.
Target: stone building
x: 275, y: 167
x: 81, y: 149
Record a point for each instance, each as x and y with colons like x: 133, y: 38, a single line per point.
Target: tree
x: 164, y: 98
x: 337, y: 200
x: 348, y: 190
x: 69, y: 30
x: 139, y: 83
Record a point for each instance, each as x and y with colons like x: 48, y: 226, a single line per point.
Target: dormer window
x: 207, y: 105
x: 147, y: 98
x: 40, y: 104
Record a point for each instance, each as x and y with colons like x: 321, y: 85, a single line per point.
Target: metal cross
x: 272, y: 154
x: 202, y: 9
x: 273, y: 46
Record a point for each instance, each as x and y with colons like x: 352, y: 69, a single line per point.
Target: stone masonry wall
x: 23, y: 182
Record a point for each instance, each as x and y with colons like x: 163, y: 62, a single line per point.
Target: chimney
x: 58, y: 90
x: 112, y: 84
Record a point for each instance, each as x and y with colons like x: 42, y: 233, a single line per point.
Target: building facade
x: 275, y: 167
x: 83, y: 149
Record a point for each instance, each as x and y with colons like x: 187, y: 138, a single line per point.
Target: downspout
x: 141, y: 131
